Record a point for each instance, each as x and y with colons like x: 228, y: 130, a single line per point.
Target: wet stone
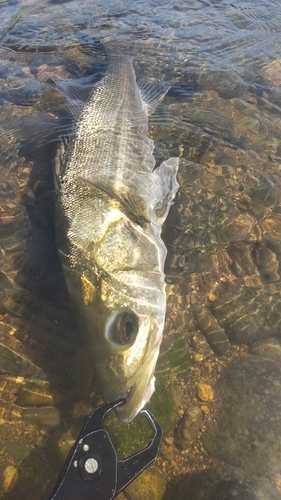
x: 265, y: 193
x: 189, y: 172
x: 38, y: 392
x: 246, y: 429
x: 60, y: 445
x: 241, y: 259
x: 215, y: 335
x: 46, y: 417
x: 200, y: 344
x: 14, y: 358
x: 10, y: 478
x: 236, y: 308
x: 205, y: 392
x: 167, y: 452
x: 224, y: 482
x: 238, y: 229
x: 272, y: 72
x: 269, y: 348
x: 17, y: 450
x: 266, y: 262
x: 198, y: 358
x: 150, y: 484
x: 188, y: 429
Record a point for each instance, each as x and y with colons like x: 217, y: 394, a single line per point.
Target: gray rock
x: 246, y: 429
x: 19, y: 451
x: 269, y: 348
x: 236, y: 308
x: 47, y: 416
x: 224, y: 483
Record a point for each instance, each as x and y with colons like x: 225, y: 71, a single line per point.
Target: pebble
x: 198, y: 358
x: 200, y: 344
x: 188, y: 429
x: 207, y: 367
x: 205, y: 409
x: 10, y: 478
x: 167, y: 452
x: 212, y: 297
x: 205, y: 392
x: 169, y: 440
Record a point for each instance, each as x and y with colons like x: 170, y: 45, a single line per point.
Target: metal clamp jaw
x: 92, y: 470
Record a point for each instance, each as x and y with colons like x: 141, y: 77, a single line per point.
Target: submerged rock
x: 47, y: 416
x: 246, y: 428
x: 14, y: 358
x: 268, y: 348
x: 236, y: 309
x: 214, y: 333
x: 225, y: 483
x: 151, y: 484
x: 10, y: 478
x: 188, y: 429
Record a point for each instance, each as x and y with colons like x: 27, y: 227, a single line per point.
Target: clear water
x: 222, y: 117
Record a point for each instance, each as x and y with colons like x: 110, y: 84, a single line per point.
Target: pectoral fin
x: 133, y: 204
x: 168, y: 185
x: 75, y: 93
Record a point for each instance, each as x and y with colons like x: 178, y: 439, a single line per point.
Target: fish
x: 111, y: 205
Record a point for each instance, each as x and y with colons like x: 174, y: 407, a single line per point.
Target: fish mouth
x: 138, y: 394
x: 128, y: 410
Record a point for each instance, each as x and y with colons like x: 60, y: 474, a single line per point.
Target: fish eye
x: 122, y: 328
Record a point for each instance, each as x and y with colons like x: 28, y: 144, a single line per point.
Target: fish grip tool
x: 92, y: 470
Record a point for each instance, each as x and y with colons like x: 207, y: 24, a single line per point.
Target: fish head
x: 127, y: 314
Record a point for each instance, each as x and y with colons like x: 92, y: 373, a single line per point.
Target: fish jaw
x: 129, y: 410
x: 140, y: 392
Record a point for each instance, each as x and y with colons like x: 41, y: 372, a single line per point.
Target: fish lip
x: 140, y: 391
x: 121, y: 410
x: 127, y: 396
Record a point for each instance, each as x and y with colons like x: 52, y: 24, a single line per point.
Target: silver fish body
x: 110, y: 211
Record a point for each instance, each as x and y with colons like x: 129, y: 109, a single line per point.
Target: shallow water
x: 218, y: 390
